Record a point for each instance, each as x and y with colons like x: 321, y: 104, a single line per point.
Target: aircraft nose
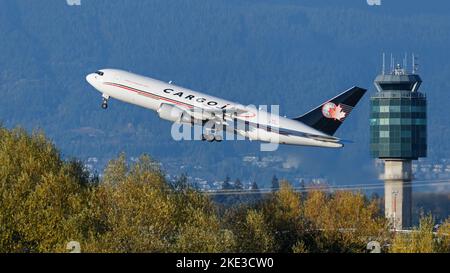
x: 90, y: 79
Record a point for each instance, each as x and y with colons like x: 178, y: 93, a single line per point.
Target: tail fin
x: 330, y: 115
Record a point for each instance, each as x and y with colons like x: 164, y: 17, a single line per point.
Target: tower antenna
x: 392, y: 63
x: 416, y: 64
x: 405, y: 61
x: 384, y: 63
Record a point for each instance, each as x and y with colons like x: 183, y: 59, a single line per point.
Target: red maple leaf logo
x: 337, y: 113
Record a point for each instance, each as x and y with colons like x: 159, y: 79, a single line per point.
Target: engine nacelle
x: 173, y: 113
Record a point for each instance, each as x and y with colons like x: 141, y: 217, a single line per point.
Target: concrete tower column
x: 398, y: 192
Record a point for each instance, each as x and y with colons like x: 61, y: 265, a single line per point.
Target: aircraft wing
x: 220, y: 116
x: 229, y: 110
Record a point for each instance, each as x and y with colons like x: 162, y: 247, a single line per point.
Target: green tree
x: 136, y: 209
x: 251, y: 230
x: 346, y: 221
x: 443, y: 237
x: 419, y: 240
x: 202, y: 232
x: 284, y: 214
x: 141, y: 212
x: 42, y: 197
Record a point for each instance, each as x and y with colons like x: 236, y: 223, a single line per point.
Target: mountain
x: 292, y: 53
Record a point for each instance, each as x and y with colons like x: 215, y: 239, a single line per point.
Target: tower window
x: 396, y: 86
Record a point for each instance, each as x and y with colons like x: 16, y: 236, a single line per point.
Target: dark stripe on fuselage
x: 147, y: 94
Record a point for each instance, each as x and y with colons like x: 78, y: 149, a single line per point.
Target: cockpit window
x: 99, y: 73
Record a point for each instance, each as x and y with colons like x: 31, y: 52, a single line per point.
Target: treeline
x: 46, y: 201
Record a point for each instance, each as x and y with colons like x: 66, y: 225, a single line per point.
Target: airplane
x: 181, y: 105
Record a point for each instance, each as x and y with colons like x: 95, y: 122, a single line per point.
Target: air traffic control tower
x: 398, y: 128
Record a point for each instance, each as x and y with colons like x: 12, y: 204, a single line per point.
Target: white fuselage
x: 150, y: 93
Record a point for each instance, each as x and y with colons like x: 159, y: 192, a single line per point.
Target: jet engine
x: 173, y: 113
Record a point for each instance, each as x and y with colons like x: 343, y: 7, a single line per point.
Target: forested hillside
x: 292, y: 53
